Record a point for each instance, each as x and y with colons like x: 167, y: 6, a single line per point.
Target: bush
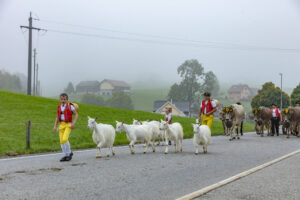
x: 120, y: 100
x: 93, y: 100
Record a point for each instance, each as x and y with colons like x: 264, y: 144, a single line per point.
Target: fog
x: 243, y: 41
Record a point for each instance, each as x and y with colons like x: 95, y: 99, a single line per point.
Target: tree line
x: 10, y: 82
x: 270, y: 94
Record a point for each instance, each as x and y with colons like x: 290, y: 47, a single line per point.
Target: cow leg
x: 238, y: 131
x: 231, y: 133
x: 262, y: 130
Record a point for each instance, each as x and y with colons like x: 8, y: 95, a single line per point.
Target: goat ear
x: 96, y: 118
x: 88, y: 117
x: 122, y: 122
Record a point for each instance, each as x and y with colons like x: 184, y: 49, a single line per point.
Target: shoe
x: 68, y: 158
x: 170, y: 143
x: 63, y: 159
x: 71, y: 154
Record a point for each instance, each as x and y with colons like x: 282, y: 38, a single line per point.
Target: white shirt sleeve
x: 72, y: 108
x: 279, y: 111
x: 213, y: 103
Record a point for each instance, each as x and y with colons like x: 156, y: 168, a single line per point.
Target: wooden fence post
x: 28, y: 132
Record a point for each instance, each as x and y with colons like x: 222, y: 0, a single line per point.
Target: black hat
x: 206, y: 94
x: 273, y: 104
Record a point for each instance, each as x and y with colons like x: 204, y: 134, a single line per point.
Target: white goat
x: 157, y: 134
x: 202, y: 136
x: 172, y: 132
x: 103, y: 136
x: 136, y: 133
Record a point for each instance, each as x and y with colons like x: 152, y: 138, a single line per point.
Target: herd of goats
x: 148, y: 132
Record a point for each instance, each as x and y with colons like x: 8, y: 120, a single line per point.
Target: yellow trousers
x: 64, y: 132
x: 207, y: 120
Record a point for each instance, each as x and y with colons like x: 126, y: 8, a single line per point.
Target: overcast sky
x: 228, y: 30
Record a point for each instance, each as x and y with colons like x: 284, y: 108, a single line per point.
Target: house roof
x: 88, y: 84
x: 117, y: 83
x: 183, y: 106
x: 237, y: 88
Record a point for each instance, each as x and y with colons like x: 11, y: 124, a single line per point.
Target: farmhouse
x: 241, y: 92
x: 108, y: 87
x: 180, y: 108
x: 88, y: 87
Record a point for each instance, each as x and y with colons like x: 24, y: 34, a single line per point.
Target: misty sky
x: 221, y: 25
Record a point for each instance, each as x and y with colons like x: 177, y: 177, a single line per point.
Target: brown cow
x: 234, y: 115
x: 262, y: 118
x: 222, y: 118
x: 295, y: 119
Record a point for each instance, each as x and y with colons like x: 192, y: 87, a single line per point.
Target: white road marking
x: 235, y: 177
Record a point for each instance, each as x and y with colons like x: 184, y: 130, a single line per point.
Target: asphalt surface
x: 139, y: 176
x: 279, y: 181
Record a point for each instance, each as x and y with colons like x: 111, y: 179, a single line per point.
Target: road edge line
x: 231, y: 179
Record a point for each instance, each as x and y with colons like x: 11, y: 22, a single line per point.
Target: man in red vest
x: 276, y: 116
x: 208, y: 107
x: 64, y: 116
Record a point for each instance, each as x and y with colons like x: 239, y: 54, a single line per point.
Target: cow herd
x: 290, y: 120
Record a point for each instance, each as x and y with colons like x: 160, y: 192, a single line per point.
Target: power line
x: 152, y: 41
x: 210, y: 44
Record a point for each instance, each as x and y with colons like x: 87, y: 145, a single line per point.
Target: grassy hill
x: 143, y: 99
x: 17, y: 108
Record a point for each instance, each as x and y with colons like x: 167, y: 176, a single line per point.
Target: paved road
x: 279, y: 181
x: 139, y: 176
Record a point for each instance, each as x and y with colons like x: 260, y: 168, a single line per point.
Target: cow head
x: 228, y: 114
x: 221, y: 115
x: 286, y: 118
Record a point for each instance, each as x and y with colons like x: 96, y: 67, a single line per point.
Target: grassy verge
x: 16, y: 109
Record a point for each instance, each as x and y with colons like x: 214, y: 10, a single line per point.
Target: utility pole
x: 30, y: 28
x: 37, y: 80
x: 34, y: 70
x: 281, y: 90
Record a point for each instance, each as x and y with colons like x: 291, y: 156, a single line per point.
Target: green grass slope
x: 16, y: 109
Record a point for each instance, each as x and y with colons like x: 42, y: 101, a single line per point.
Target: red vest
x: 67, y: 113
x: 208, y: 106
x: 276, y: 112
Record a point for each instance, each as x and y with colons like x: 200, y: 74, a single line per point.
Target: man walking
x: 276, y: 116
x: 208, y: 107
